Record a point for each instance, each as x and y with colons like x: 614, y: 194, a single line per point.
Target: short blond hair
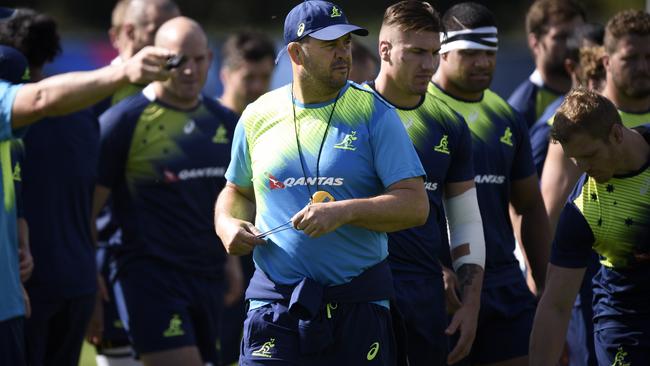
x: 584, y: 111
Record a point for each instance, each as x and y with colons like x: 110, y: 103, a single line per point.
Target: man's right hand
x: 147, y: 65
x: 450, y: 280
x: 238, y: 237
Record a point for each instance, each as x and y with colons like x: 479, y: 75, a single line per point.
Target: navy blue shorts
x: 55, y: 331
x: 163, y: 308
x: 504, y: 324
x: 362, y: 335
x: 12, y: 342
x: 580, y: 333
x: 623, y: 345
x: 421, y: 303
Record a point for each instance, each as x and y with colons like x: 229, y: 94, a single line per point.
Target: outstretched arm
x: 66, y: 93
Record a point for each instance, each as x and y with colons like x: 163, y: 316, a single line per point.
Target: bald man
x: 134, y: 23
x: 163, y: 156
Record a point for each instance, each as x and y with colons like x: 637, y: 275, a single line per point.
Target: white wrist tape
x: 465, y: 227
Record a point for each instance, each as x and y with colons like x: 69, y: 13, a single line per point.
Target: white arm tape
x: 465, y: 225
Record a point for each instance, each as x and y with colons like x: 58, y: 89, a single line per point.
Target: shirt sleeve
x: 239, y: 170
x: 522, y: 164
x: 394, y: 155
x: 573, y: 239
x: 461, y: 167
x: 115, y: 141
x: 7, y: 98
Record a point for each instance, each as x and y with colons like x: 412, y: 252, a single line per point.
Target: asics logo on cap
x: 301, y: 29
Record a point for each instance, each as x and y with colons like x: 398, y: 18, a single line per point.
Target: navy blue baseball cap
x: 13, y: 66
x: 6, y: 12
x: 318, y: 19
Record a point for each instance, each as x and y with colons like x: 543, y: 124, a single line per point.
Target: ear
x: 113, y: 34
x: 616, y: 133
x: 605, y: 61
x: 296, y: 53
x: 532, y: 42
x: 570, y: 66
x: 384, y: 50
x: 129, y: 30
x: 223, y: 76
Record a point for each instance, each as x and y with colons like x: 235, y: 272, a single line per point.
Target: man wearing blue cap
x: 21, y: 105
x: 326, y: 169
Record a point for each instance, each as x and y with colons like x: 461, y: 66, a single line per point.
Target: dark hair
x: 246, y: 46
x: 362, y: 53
x: 584, y: 111
x: 468, y: 15
x: 592, y: 32
x: 625, y: 23
x: 34, y: 34
x: 409, y: 15
x: 544, y: 13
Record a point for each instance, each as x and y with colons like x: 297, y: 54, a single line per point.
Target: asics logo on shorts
x: 265, y: 350
x: 372, y: 353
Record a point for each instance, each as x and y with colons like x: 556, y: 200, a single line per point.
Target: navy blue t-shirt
x: 613, y: 218
x: 165, y: 168
x: 444, y: 145
x: 59, y: 174
x: 531, y: 98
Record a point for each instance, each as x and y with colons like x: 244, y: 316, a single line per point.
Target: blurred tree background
x: 84, y: 23
x: 218, y: 16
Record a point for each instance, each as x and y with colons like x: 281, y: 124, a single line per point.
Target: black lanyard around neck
x: 295, y: 127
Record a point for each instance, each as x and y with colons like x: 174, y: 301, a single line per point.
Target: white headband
x: 483, y: 38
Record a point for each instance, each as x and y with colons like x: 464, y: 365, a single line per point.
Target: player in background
x: 23, y: 105
x: 133, y: 26
x: 609, y: 212
x: 409, y: 42
x: 163, y: 156
x: 326, y: 273
x: 364, y: 63
x: 507, y: 186
x: 548, y: 25
x: 247, y: 64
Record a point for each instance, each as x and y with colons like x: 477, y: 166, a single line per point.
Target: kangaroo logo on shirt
x: 443, y: 145
x: 619, y: 359
x: 507, y: 137
x: 265, y: 350
x: 348, y: 142
x: 17, y: 173
x: 174, y: 329
x: 220, y: 137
